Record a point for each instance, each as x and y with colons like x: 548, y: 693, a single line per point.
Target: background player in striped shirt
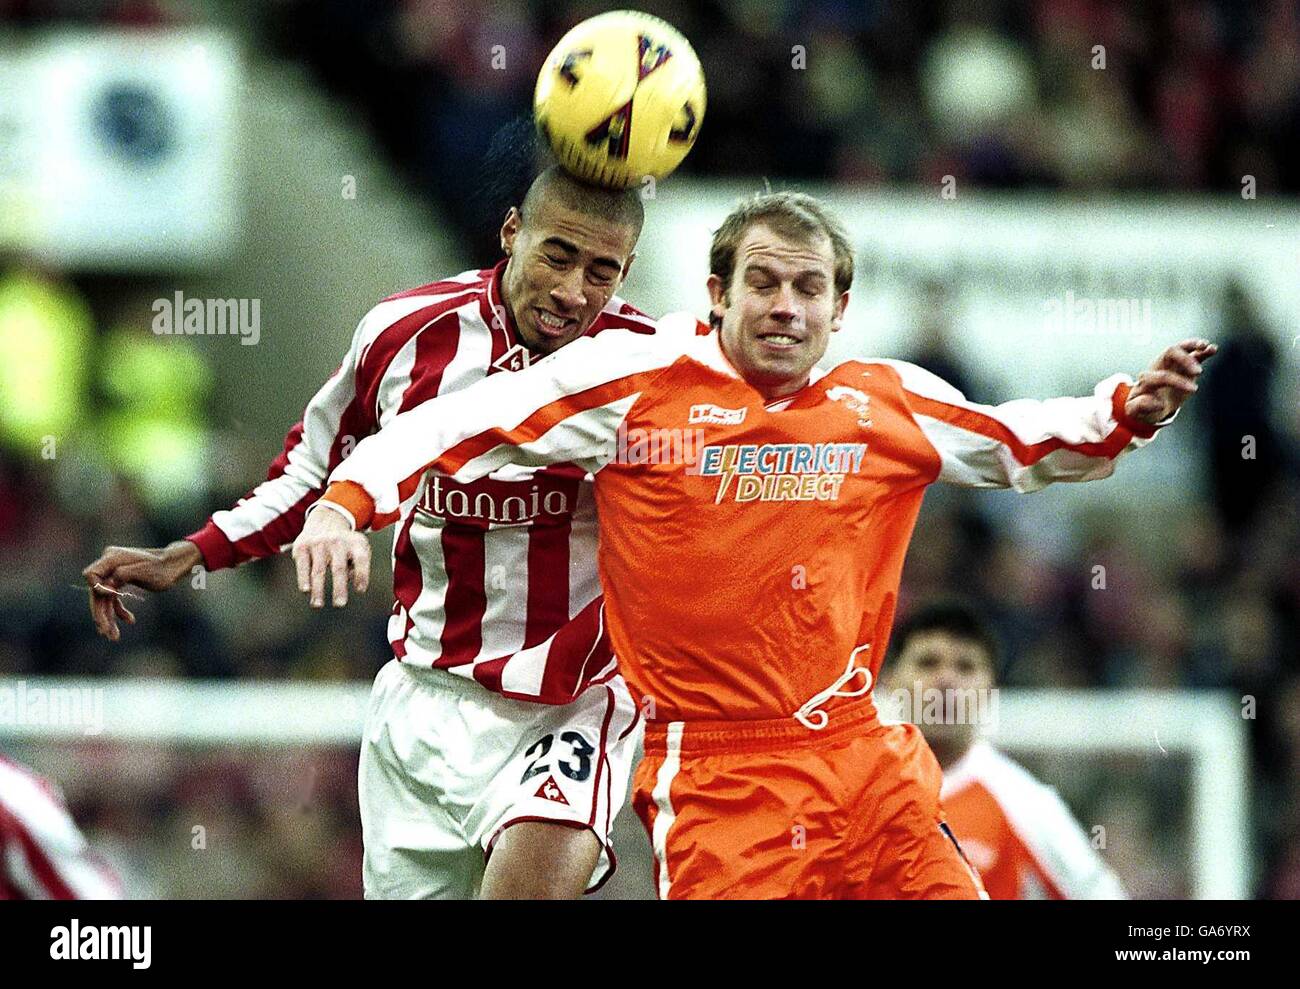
x: 1016, y: 831
x: 43, y: 854
x: 493, y: 581
x: 750, y: 584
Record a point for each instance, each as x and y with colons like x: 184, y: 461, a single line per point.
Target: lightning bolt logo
x: 728, y: 470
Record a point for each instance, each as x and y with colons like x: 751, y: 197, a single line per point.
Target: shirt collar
x: 493, y: 309
x: 710, y: 352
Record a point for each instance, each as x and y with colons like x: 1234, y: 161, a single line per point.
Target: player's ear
x: 838, y: 319
x: 510, y: 230
x: 717, y: 296
x: 627, y: 266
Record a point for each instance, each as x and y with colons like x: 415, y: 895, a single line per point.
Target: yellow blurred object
x: 156, y: 430
x: 45, y: 342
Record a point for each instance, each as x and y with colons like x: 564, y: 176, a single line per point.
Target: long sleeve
x: 271, y: 515
x: 1024, y: 444
x: 565, y: 408
x: 1063, y: 862
x: 1030, y: 845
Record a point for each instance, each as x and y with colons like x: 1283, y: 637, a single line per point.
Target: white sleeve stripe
x: 86, y: 880
x: 974, y: 460
x: 1046, y: 425
x: 20, y: 874
x: 582, y: 441
x: 269, y: 501
x: 1023, y: 444
x: 589, y: 373
x: 1046, y: 828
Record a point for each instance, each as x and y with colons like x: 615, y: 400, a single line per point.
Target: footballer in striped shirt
x: 500, y: 737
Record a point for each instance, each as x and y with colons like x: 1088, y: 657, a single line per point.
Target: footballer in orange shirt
x: 754, y: 512
x: 1016, y: 831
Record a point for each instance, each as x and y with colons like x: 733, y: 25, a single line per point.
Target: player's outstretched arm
x: 1027, y: 444
x: 266, y: 519
x: 565, y: 408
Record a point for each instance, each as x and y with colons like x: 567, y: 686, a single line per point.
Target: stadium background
x: 317, y: 156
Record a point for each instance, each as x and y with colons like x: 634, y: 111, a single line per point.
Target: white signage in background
x: 120, y: 148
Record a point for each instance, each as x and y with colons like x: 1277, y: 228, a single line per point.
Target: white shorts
x: 447, y: 765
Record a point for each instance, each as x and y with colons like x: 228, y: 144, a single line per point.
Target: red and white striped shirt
x: 43, y: 855
x: 493, y: 580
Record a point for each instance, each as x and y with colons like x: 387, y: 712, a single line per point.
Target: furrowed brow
x: 567, y: 246
x: 818, y: 268
x: 571, y: 248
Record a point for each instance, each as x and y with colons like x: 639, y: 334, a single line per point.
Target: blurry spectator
x: 1246, y: 453
x: 931, y: 340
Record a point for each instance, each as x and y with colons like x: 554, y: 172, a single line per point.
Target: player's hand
x: 1169, y: 382
x: 328, y: 545
x: 152, y: 569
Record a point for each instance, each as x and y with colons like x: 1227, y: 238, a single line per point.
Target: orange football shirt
x: 750, y: 552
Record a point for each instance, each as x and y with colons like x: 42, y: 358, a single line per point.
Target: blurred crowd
x: 106, y: 436
x: 1059, y: 94
x: 1078, y: 95
x: 1193, y: 95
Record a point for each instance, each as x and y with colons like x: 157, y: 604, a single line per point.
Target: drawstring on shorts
x: 810, y: 713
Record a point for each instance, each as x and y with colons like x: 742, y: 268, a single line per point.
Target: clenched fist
x: 328, y: 545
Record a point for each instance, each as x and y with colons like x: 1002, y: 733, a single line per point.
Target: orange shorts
x: 775, y: 810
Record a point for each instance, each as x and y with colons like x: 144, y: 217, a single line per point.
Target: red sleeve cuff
x: 1117, y: 403
x: 218, y: 552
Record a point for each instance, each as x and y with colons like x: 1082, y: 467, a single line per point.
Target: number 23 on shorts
x: 577, y: 766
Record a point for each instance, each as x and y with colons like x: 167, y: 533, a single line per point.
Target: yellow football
x: 621, y: 97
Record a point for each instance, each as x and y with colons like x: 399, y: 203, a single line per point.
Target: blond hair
x: 795, y: 216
